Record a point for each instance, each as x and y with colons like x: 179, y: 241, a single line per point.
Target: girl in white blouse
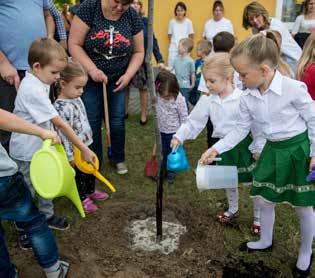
x: 284, y: 112
x: 222, y: 106
x: 179, y: 28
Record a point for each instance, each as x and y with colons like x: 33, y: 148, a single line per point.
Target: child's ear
x: 265, y: 69
x: 62, y: 83
x: 36, y: 66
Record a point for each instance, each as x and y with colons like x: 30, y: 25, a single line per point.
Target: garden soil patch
x: 99, y: 246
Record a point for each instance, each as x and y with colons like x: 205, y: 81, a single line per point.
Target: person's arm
x: 156, y: 51
x: 195, y: 122
x: 135, y: 62
x: 192, y: 75
x: 60, y: 27
x: 191, y: 30
x: 87, y: 154
x: 235, y: 136
x: 13, y: 123
x: 8, y: 72
x: 78, y: 32
x: 50, y: 24
x: 296, y: 26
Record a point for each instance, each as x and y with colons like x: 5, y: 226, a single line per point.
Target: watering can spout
x: 75, y: 199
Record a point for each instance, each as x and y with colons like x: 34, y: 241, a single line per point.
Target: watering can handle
x: 47, y: 143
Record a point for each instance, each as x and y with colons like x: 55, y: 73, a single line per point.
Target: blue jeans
x: 185, y: 92
x: 16, y: 204
x: 93, y: 101
x: 166, y: 139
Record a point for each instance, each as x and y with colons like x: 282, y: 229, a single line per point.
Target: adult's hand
x: 122, y: 82
x: 10, y: 74
x: 98, y: 76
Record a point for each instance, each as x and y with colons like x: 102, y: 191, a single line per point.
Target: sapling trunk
x: 151, y: 88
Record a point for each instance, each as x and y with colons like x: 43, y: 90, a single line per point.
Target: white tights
x: 267, y: 218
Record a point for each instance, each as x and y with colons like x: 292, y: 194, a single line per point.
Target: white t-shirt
x: 178, y: 31
x: 32, y: 103
x: 213, y: 27
x: 302, y: 25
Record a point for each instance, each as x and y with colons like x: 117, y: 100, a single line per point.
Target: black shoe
x: 298, y: 273
x: 170, y: 176
x: 23, y: 241
x: 58, y: 223
x: 126, y: 116
x: 243, y: 247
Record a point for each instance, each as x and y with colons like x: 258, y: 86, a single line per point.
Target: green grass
x: 134, y: 186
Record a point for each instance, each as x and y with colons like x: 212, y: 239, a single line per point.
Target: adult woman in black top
x: 106, y: 37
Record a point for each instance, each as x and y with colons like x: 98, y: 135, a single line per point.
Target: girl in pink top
x: 171, y: 111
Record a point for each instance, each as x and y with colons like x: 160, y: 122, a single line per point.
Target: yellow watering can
x: 52, y: 176
x: 88, y: 168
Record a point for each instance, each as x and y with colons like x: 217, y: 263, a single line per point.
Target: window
x: 288, y: 10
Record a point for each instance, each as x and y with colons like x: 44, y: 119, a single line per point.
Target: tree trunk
x: 151, y: 88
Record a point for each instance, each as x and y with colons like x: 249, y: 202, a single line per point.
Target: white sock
x: 306, y: 216
x: 256, y: 208
x: 267, y: 219
x: 232, y: 196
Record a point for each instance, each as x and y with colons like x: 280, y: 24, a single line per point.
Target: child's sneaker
x: 61, y: 272
x: 227, y: 216
x: 88, y: 205
x: 23, y: 241
x: 98, y: 195
x: 58, y: 223
x: 170, y: 176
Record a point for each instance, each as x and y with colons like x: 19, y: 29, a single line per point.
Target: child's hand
x: 50, y: 134
x: 312, y: 163
x: 256, y: 156
x: 208, y: 156
x: 88, y: 156
x: 175, y: 143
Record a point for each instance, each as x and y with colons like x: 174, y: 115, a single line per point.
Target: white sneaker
x: 61, y: 272
x: 121, y: 168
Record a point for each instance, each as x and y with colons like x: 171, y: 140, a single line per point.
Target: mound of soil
x: 100, y: 247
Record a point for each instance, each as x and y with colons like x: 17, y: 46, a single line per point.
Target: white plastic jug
x: 216, y: 177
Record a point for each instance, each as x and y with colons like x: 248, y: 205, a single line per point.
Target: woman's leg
x: 93, y: 102
x: 144, y: 97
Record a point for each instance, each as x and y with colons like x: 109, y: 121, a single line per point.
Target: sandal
x: 225, y: 217
x: 255, y: 229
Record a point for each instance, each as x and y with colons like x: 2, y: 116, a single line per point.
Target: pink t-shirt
x: 171, y: 113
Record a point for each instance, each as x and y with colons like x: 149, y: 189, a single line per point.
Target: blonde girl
x: 222, y: 107
x: 283, y: 67
x: 284, y: 112
x: 71, y: 109
x: 306, y: 65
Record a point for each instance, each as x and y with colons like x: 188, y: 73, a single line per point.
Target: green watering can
x: 52, y: 176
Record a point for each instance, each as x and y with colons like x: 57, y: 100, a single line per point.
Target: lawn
x: 99, y: 247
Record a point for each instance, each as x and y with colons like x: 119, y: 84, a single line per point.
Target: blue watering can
x: 177, y: 160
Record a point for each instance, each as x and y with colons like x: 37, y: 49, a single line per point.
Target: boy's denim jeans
x: 94, y: 104
x: 16, y: 204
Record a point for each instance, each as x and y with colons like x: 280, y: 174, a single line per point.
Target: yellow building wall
x: 199, y: 11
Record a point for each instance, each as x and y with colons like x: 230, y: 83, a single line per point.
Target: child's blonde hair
x: 308, y: 56
x: 140, y: 3
x: 283, y: 67
x: 258, y: 49
x: 188, y: 43
x: 220, y: 62
x: 205, y: 46
x: 72, y: 70
x: 44, y: 51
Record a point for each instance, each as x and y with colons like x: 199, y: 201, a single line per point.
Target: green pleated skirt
x: 241, y: 157
x: 280, y: 173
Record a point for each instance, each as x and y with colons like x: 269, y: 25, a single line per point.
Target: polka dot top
x: 109, y: 43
